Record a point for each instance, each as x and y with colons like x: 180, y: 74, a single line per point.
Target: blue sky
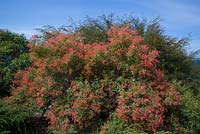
x: 180, y: 18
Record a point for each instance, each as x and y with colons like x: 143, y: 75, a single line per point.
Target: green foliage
x: 13, y: 118
x: 13, y: 56
x: 21, y: 62
x: 164, y: 132
x: 118, y: 126
x: 93, y: 30
x: 114, y: 125
x: 189, y: 109
x: 173, y: 58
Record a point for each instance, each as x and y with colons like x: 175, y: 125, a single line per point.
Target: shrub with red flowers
x: 79, y: 85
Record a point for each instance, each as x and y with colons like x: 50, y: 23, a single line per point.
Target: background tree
x: 13, y: 56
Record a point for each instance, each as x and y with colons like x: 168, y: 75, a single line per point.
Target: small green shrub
x: 189, y: 114
x: 12, y: 119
